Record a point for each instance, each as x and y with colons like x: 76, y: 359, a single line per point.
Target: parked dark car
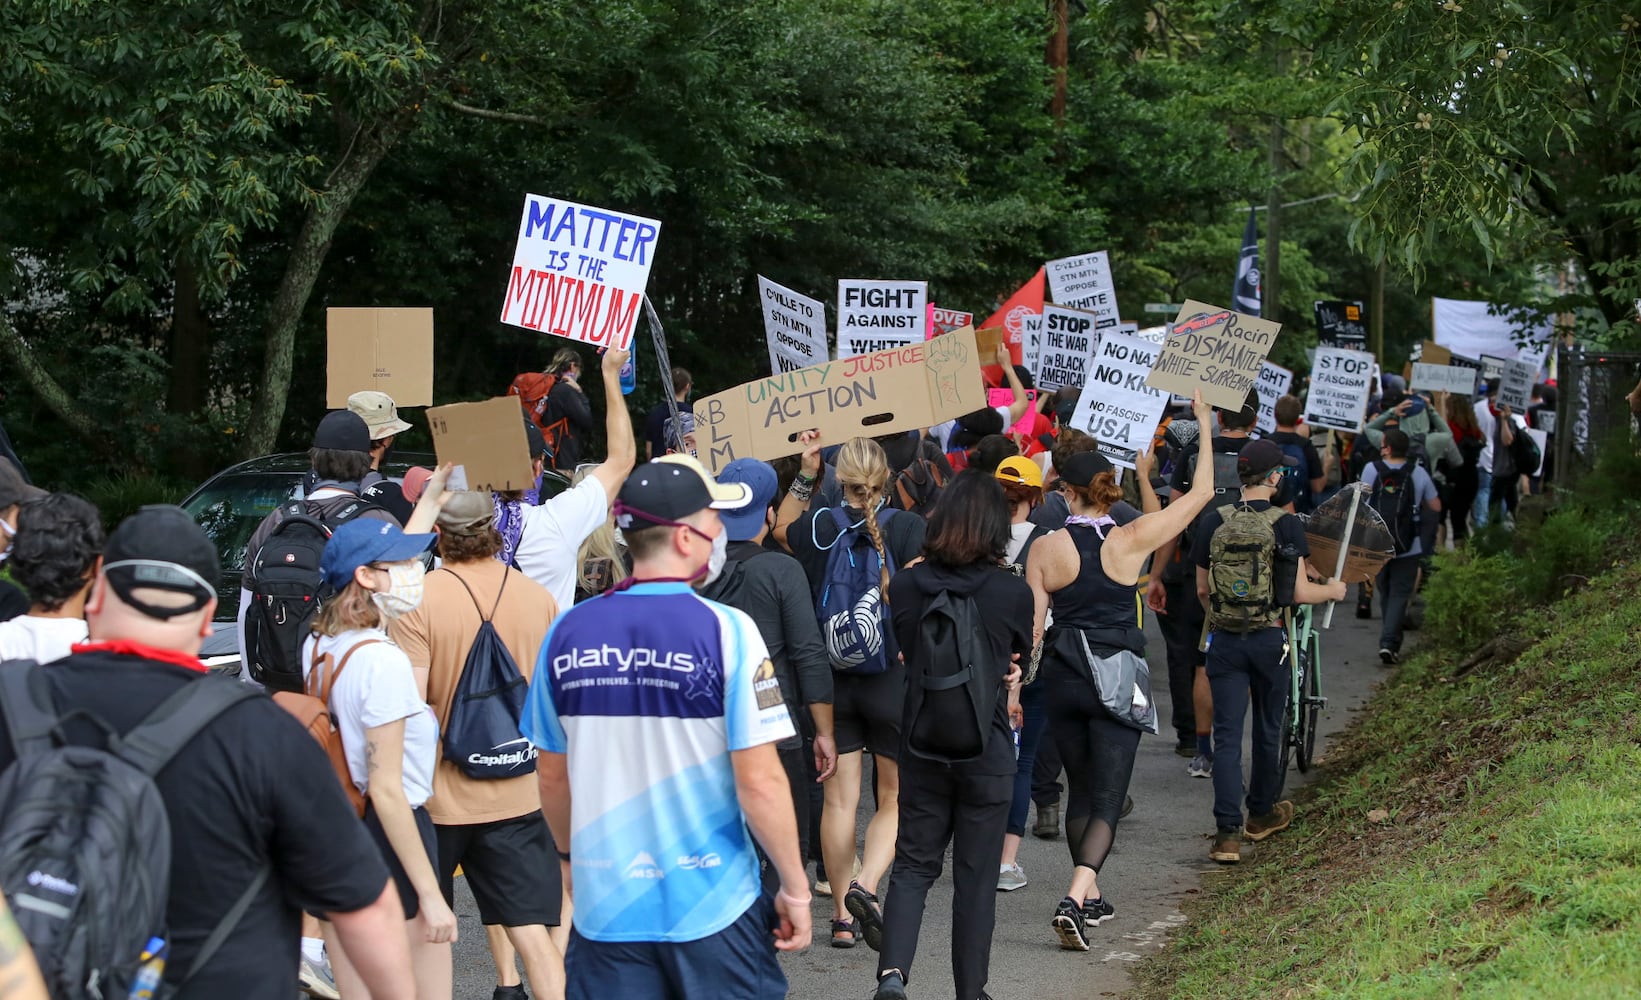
x: 231, y: 504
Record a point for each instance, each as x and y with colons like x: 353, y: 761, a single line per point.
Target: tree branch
x: 499, y: 116
x: 56, y: 398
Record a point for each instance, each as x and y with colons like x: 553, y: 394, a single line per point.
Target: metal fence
x: 1591, y: 409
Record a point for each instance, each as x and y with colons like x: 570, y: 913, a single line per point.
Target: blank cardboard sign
x: 386, y: 350
x: 486, y: 441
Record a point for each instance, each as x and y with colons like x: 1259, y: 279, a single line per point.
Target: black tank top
x: 1094, y: 602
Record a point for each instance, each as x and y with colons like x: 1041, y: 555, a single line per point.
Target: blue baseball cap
x: 360, y: 543
x: 745, y: 523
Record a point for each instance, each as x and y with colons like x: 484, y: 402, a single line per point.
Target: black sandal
x: 843, y: 934
x: 869, y: 912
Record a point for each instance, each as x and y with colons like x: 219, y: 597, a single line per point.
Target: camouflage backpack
x: 1242, y: 570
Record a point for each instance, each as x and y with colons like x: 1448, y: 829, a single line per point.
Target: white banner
x: 1472, y: 329
x: 1341, y: 382
x: 579, y: 272
x: 1457, y: 379
x: 1068, y: 343
x: 795, y: 326
x: 1273, y: 383
x: 1084, y: 282
x: 1116, y: 407
x: 880, y: 315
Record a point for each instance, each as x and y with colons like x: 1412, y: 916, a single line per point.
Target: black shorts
x: 510, y: 865
x: 424, y: 827
x: 866, y: 711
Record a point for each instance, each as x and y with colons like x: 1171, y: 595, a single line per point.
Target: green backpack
x: 1242, y: 570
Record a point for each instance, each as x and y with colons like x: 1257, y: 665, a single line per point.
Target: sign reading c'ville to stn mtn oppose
x: 795, y: 326
x: 919, y: 385
x: 579, y: 272
x: 1216, y: 350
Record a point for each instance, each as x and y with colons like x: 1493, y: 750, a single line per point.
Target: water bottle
x: 629, y: 371
x: 152, y: 971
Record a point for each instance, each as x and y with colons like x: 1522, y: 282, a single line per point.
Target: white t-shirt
x: 549, y: 548
x: 378, y: 688
x: 31, y: 637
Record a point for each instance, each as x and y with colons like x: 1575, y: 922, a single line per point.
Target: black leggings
x: 1098, y: 753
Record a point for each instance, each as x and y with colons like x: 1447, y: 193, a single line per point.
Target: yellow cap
x: 1020, y: 470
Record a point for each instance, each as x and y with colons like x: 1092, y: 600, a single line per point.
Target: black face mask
x: 1287, y: 488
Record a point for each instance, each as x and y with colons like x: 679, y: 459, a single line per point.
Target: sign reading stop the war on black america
x: 1068, y: 342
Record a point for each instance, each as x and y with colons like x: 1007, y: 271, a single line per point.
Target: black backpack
x: 85, y: 840
x: 949, y: 699
x: 1396, y: 501
x: 1227, y: 491
x: 288, y: 593
x: 481, y: 734
x: 918, y: 487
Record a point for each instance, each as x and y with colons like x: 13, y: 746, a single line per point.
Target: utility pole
x: 1271, y: 278
x: 1376, y: 314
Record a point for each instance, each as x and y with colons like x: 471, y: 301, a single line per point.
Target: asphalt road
x: 1159, y: 859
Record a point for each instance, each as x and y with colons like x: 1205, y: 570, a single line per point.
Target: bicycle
x: 1305, y: 701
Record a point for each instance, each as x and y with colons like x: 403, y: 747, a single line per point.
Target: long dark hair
x: 970, y: 524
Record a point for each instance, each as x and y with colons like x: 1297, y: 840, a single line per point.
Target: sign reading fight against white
x: 579, y: 272
x: 1458, y: 380
x: 795, y: 325
x: 1516, y: 385
x: 1273, y: 383
x: 1117, y: 408
x: 1068, y: 343
x: 880, y: 315
x: 1084, y: 282
x: 1341, y: 382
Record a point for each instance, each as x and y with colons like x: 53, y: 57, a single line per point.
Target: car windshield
x: 230, y: 508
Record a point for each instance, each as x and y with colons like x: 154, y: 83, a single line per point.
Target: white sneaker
x: 1010, y: 878
x: 1201, y: 766
x: 314, y: 979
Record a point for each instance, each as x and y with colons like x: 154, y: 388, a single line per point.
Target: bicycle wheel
x: 1310, y: 699
x: 1290, y: 738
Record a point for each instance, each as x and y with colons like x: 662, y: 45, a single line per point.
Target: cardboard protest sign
x: 386, y: 350
x: 579, y: 272
x: 1341, y: 324
x: 919, y: 385
x: 1117, y: 407
x: 1084, y: 282
x: 1458, y: 380
x: 1068, y: 343
x: 1516, y: 385
x: 1341, y: 382
x: 987, y: 341
x: 946, y: 320
x: 795, y: 326
x: 1215, y: 350
x: 1273, y: 383
x: 880, y: 315
x: 1432, y: 353
x: 1004, y: 398
x: 486, y: 442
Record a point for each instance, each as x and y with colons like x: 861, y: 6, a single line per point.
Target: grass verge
x: 1480, y: 827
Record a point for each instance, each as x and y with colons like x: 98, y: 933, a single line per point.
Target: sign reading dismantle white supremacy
x: 1216, y: 350
x: 1117, y: 408
x: 880, y: 315
x: 1341, y: 382
x: 795, y: 326
x: 579, y: 272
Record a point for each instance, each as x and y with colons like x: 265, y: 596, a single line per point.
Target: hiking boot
x: 891, y: 987
x: 1201, y: 766
x: 1227, y: 847
x: 868, y: 914
x: 1275, y: 821
x: 515, y: 992
x: 1096, y: 912
x: 1071, y: 925
x: 1010, y: 878
x: 1389, y: 658
x: 1048, y: 822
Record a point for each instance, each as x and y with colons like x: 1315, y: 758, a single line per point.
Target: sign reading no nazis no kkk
x: 1216, y: 350
x: 579, y: 272
x: 880, y: 315
x: 795, y: 326
x: 1117, y: 408
x: 1067, y: 345
x: 1341, y: 382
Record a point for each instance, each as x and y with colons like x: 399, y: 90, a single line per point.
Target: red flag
x: 1010, y: 316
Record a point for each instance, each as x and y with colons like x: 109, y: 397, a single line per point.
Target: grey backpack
x: 85, y: 841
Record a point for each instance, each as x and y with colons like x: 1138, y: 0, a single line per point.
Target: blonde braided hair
x: 863, y: 472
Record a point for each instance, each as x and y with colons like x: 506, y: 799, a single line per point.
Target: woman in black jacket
x: 957, y: 747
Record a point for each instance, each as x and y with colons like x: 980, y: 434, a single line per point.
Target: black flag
x: 1245, y: 293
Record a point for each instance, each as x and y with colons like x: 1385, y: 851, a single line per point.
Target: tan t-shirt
x: 437, y: 636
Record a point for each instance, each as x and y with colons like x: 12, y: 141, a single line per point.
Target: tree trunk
x: 302, y: 271
x: 190, y: 356
x: 50, y: 391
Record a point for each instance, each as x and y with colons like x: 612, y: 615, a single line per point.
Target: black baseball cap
x: 161, y: 548
x: 342, y: 430
x: 1081, y: 468
x: 1262, y: 456
x: 14, y: 489
x: 672, y: 488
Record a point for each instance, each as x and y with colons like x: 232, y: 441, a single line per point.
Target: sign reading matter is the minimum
x: 1216, y: 350
x: 880, y: 315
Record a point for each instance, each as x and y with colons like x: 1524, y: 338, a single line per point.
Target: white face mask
x: 10, y: 533
x: 404, y: 590
x: 720, y: 554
